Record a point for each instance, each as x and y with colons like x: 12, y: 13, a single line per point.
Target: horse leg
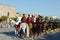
x: 16, y: 31
x: 41, y: 29
x: 45, y: 28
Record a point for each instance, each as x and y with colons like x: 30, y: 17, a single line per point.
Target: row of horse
x: 37, y: 28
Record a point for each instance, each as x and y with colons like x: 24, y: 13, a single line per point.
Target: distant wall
x: 4, y: 9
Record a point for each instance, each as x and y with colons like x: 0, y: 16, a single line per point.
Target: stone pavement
x: 8, y: 34
x: 4, y: 33
x: 5, y: 37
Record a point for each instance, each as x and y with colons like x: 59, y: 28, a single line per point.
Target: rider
x: 29, y: 21
x: 33, y: 20
x: 40, y: 24
x: 28, y: 18
x: 24, y: 18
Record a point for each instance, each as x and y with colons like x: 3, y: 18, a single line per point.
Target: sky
x: 42, y: 7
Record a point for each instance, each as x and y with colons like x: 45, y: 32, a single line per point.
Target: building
x: 5, y: 9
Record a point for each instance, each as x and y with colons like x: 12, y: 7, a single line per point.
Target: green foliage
x: 3, y: 18
x: 14, y: 18
x: 17, y: 13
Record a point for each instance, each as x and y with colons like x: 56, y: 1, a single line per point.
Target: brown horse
x: 45, y: 27
x: 30, y: 25
x: 37, y: 29
x: 51, y: 25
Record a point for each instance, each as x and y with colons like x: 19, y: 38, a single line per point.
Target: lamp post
x: 8, y: 20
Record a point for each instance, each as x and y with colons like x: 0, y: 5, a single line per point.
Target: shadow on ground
x: 11, y: 33
x: 55, y: 36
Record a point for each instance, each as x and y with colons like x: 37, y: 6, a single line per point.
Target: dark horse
x: 45, y: 26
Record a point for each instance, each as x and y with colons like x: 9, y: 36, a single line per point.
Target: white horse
x: 13, y: 24
x: 24, y: 26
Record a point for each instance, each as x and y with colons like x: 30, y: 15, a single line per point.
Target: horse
x: 25, y: 28
x: 19, y: 26
x: 30, y: 27
x: 45, y: 27
x: 51, y: 25
x: 34, y: 28
x: 16, y: 25
x: 13, y: 24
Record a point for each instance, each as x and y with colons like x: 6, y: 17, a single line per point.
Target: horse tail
x: 27, y: 30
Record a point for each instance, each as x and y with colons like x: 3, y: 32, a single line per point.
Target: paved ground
x: 8, y: 33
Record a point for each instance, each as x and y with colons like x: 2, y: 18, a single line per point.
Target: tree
x: 3, y: 18
x: 17, y: 13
